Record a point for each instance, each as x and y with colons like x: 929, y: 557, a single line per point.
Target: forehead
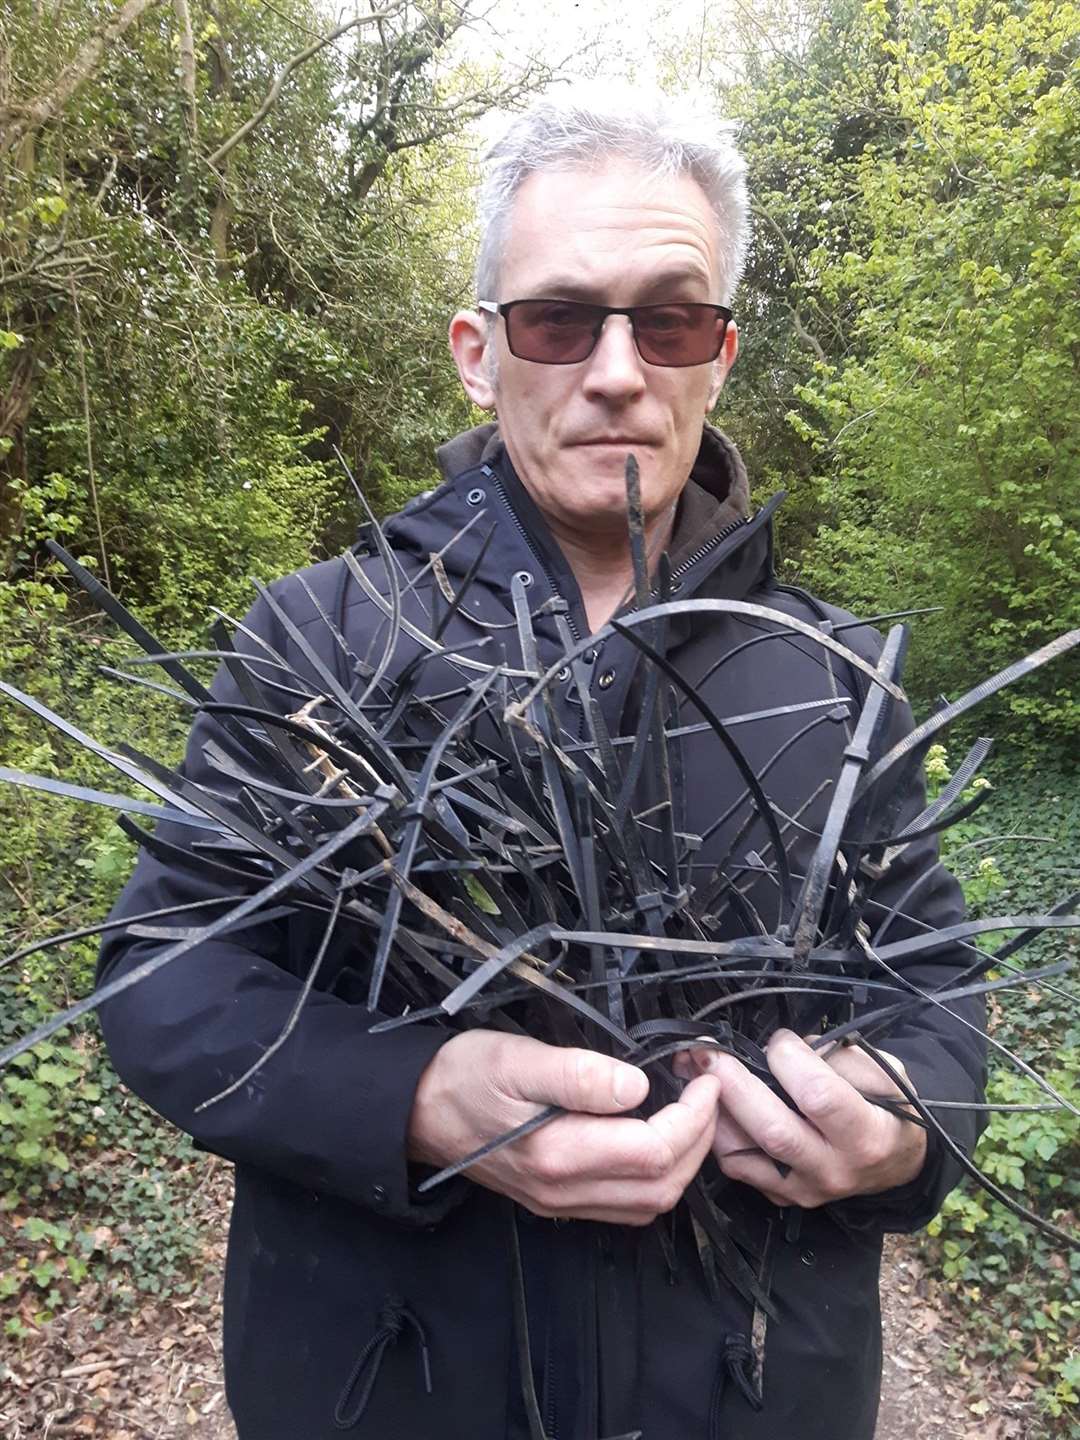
x: 610, y: 234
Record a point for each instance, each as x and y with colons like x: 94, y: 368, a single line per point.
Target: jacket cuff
x: 911, y: 1206
x: 389, y: 1178
x: 905, y: 1208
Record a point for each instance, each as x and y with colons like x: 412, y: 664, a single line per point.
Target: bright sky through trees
x: 608, y: 39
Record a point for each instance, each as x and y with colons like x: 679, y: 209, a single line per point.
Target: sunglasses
x: 565, y: 332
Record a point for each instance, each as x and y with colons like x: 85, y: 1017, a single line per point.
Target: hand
x: 836, y: 1143
x: 594, y: 1163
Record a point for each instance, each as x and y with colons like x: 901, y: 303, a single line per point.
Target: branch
x: 42, y: 109
x: 91, y: 473
x: 187, y: 65
x: 800, y: 329
x: 107, y: 180
x: 804, y: 335
x: 442, y: 118
x: 15, y: 401
x: 55, y: 273
x: 287, y: 69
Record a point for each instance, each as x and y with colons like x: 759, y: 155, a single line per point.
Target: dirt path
x: 155, y: 1373
x: 923, y: 1395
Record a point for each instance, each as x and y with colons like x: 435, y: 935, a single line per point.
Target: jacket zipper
x: 747, y: 523
x: 549, y: 1388
x: 699, y: 554
x: 493, y: 477
x: 679, y: 571
x: 717, y: 539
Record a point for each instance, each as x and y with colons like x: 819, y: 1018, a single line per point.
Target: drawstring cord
x: 739, y: 1359
x: 736, y: 1361
x: 393, y: 1317
x: 742, y: 1357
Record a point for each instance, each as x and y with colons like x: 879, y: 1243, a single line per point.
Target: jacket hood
x: 481, y: 485
x: 716, y: 494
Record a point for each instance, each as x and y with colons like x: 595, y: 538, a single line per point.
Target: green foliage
x: 35, y: 1095
x: 93, y: 1189
x: 183, y: 339
x: 1018, y: 1292
x: 914, y: 273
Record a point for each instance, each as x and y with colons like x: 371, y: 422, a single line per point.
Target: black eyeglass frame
x: 505, y: 309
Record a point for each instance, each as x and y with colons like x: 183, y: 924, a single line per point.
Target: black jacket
x: 332, y: 1256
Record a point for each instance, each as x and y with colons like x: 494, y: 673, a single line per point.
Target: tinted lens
x: 564, y: 332
x: 679, y: 334
x: 554, y: 332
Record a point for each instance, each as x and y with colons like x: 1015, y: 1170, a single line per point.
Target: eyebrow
x: 563, y: 288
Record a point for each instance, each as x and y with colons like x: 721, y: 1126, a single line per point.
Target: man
x: 534, y: 1298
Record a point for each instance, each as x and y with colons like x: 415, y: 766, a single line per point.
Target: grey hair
x: 585, y: 130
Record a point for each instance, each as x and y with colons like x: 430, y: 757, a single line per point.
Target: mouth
x: 622, y: 441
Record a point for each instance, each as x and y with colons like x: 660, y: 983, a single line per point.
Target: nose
x: 614, y: 370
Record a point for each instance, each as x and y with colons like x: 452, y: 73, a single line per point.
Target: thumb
x: 576, y: 1079
x: 691, y: 1120
x: 896, y: 1063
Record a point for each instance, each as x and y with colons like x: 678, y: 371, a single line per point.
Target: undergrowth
x: 1016, y: 1291
x: 93, y: 1187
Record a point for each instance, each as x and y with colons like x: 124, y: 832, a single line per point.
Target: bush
x: 1017, y: 1291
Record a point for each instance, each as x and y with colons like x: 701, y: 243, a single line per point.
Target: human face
x: 615, y: 236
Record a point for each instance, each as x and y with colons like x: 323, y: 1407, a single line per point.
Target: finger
x: 694, y: 1156
x: 844, y: 1054
x: 607, y: 1198
x: 823, y: 1095
x: 701, y: 1058
x: 632, y: 1205
x: 729, y: 1137
x: 682, y: 1134
x: 761, y: 1173
x: 690, y: 1122
x: 863, y: 1071
x: 780, y: 1132
x: 581, y: 1149
x: 575, y: 1079
x: 683, y: 1065
x: 578, y: 1150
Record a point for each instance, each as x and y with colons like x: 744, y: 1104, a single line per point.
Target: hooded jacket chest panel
x: 614, y: 666
x: 770, y: 672
x: 756, y: 680
x: 821, y: 1367
x: 487, y: 610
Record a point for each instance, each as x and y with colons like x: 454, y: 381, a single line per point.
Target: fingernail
x: 623, y: 1087
x: 705, y: 1058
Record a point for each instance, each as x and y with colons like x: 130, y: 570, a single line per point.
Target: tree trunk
x: 14, y: 410
x: 187, y: 65
x: 24, y: 120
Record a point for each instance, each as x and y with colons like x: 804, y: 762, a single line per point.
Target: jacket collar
x: 711, y: 545
x: 716, y: 495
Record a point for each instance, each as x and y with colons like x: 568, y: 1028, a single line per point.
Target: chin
x: 595, y: 494
x: 599, y: 469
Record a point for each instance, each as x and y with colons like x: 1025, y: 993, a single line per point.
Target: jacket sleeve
x: 942, y: 1048
x: 330, y: 1108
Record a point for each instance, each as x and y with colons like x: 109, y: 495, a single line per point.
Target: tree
x: 220, y: 252
x: 911, y: 327
x: 952, y: 427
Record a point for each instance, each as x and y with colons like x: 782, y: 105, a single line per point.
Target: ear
x: 723, y: 363
x: 470, y: 336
